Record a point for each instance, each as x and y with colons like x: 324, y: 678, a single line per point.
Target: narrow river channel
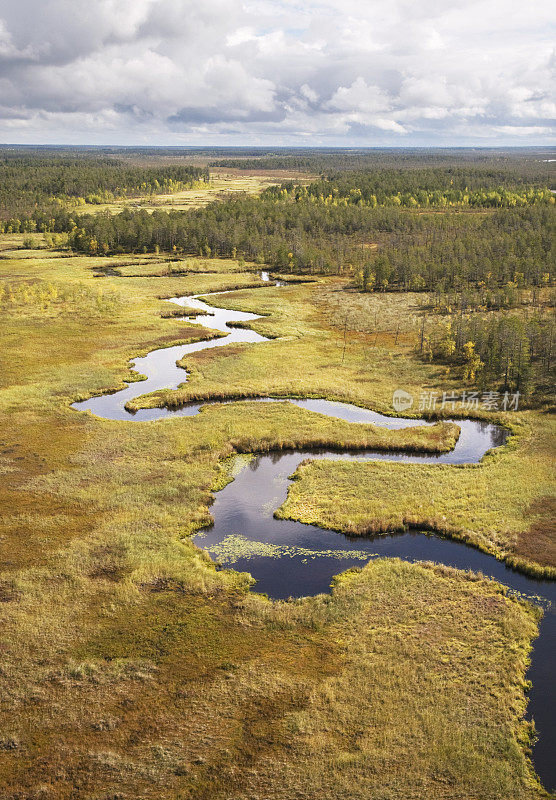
x: 290, y: 559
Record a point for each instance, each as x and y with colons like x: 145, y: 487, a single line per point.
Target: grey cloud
x: 323, y: 71
x: 202, y: 116
x: 59, y: 32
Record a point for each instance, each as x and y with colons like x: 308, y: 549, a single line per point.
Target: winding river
x: 291, y: 559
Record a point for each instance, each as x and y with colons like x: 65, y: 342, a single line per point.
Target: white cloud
x: 328, y: 71
x: 359, y: 98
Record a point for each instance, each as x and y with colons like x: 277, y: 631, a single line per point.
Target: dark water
x: 245, y: 507
x: 309, y: 557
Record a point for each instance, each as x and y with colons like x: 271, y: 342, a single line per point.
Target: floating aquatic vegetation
x: 234, y: 547
x: 237, y: 463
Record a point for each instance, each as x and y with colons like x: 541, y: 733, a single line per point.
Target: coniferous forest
x: 46, y: 180
x: 474, y: 232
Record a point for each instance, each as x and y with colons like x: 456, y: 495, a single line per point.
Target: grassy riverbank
x: 501, y: 505
x: 131, y: 667
x: 487, y: 504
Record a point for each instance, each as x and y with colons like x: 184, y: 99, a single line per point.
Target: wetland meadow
x: 231, y: 568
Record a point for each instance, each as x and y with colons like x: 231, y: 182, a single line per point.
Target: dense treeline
x: 417, y: 250
x: 496, y: 253
x: 475, y: 232
x: 509, y: 351
x: 381, y: 225
x: 297, y: 236
x: 484, y: 188
x: 517, y: 165
x: 31, y: 181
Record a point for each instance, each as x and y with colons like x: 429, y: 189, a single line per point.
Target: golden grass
x: 361, y: 372
x: 131, y: 667
x: 223, y: 184
x: 204, y: 266
x: 459, y: 502
x: 390, y: 742
x: 10, y: 243
x: 487, y: 504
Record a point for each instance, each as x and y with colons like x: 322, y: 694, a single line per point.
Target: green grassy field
x: 132, y: 668
x: 489, y: 505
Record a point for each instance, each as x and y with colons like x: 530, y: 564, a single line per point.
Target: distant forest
x: 526, y: 165
x: 422, y: 187
x: 473, y: 230
x: 417, y: 251
x: 31, y: 181
x: 482, y: 222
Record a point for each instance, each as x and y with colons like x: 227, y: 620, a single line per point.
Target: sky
x: 371, y: 73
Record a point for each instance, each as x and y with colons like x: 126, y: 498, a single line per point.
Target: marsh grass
x: 15, y: 241
x: 386, y: 722
x: 482, y: 504
x: 188, y: 266
x: 222, y: 185
x: 131, y: 667
x: 488, y: 506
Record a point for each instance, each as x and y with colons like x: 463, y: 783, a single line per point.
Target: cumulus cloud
x: 277, y: 71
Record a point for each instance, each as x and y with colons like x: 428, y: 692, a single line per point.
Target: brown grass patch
x: 213, y: 354
x: 538, y: 543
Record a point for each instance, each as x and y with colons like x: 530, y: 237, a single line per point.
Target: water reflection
x: 246, y: 505
x: 244, y: 509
